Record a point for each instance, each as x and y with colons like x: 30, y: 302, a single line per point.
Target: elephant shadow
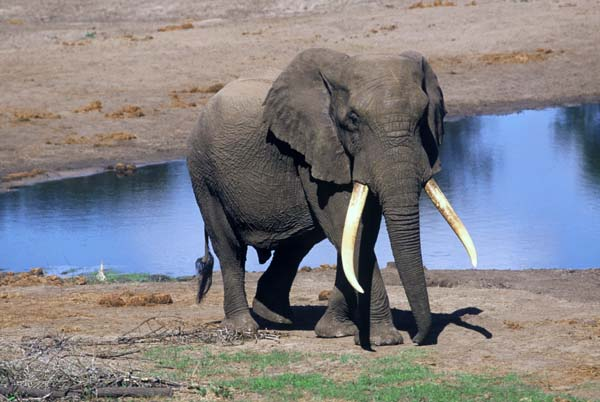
x: 306, y: 318
x: 404, y: 321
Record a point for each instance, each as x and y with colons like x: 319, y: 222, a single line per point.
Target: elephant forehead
x: 384, y: 81
x: 393, y: 70
x: 380, y: 86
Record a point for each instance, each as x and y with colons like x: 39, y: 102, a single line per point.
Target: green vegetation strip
x: 116, y: 277
x: 280, y: 375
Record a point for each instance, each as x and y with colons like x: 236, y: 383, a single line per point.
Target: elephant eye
x: 352, y: 121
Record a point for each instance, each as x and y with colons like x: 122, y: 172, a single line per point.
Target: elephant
x: 322, y: 150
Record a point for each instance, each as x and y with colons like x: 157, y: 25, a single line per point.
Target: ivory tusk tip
x: 441, y: 203
x: 353, y: 216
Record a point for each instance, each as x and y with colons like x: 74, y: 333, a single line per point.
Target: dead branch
x: 56, y: 366
x: 104, y: 392
x: 108, y: 355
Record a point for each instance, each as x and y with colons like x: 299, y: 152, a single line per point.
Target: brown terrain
x: 84, y: 85
x: 541, y: 324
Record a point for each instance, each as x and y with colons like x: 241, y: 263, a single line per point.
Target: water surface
x: 526, y: 185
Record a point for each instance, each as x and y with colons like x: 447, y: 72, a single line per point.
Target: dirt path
x: 543, y: 325
x: 86, y: 86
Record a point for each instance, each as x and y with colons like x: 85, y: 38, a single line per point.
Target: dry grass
x: 584, y: 372
x: 123, y: 169
x: 133, y: 38
x: 513, y: 325
x: 320, y: 268
x: 15, y: 21
x: 517, y: 57
x: 253, y: 33
x: 28, y: 115
x: 436, y: 3
x: 97, y: 140
x: 204, y: 90
x: 90, y: 107
x: 127, y: 111
x: 177, y: 102
x: 384, y: 28
x: 79, y: 42
x: 109, y: 139
x: 22, y: 175
x: 36, y: 277
x: 324, y: 295
x: 570, y: 374
x: 169, y: 28
x: 132, y: 299
x: 391, y: 27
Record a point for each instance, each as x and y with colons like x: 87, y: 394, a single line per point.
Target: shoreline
x: 304, y: 269
x: 64, y: 174
x: 465, y: 111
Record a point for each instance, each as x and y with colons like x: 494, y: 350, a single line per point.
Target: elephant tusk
x: 355, y: 210
x: 443, y: 205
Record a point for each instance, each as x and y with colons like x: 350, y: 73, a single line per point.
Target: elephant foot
x: 330, y: 326
x: 283, y: 315
x: 240, y: 322
x: 382, y: 334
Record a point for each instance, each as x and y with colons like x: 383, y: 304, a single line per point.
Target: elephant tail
x: 204, y: 268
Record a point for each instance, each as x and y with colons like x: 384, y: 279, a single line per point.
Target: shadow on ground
x: 306, y: 318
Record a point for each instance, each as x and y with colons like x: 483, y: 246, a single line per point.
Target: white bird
x: 100, y: 275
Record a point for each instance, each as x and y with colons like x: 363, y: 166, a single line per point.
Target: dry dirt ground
x: 86, y: 84
x: 541, y: 324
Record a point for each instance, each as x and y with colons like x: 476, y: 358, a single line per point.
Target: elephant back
x: 229, y: 120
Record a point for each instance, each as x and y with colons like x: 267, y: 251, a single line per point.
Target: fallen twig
x: 103, y: 392
x: 108, y: 355
x: 56, y: 366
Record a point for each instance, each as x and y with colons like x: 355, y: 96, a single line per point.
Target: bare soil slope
x: 85, y: 85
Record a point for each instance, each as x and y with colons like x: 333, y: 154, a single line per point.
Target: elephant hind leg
x: 232, y: 257
x: 272, y: 300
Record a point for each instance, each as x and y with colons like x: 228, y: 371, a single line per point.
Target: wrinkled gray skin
x: 272, y: 165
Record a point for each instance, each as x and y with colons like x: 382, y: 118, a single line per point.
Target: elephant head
x: 375, y: 121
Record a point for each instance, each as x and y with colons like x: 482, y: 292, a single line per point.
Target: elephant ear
x: 432, y: 125
x: 297, y: 111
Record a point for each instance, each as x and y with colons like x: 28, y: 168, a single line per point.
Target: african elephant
x: 322, y: 151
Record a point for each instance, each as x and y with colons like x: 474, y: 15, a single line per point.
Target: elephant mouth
x: 354, y: 214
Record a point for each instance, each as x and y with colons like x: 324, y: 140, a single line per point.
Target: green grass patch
x: 280, y: 375
x: 116, y: 277
x: 183, y: 363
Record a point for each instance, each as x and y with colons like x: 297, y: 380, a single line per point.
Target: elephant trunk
x: 400, y: 203
x: 401, y: 214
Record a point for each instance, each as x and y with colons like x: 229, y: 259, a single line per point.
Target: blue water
x: 526, y: 185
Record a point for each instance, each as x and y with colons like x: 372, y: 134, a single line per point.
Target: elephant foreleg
x: 381, y: 330
x: 338, y: 320
x: 374, y: 316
